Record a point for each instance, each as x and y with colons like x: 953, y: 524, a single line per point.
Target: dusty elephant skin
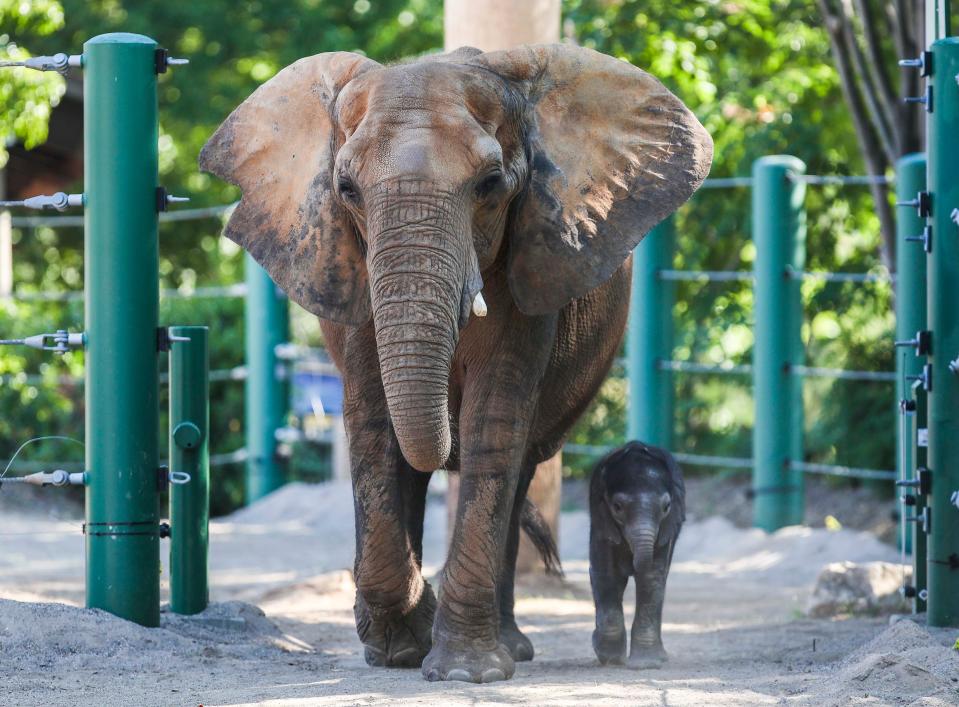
x: 462, y: 226
x: 637, y: 505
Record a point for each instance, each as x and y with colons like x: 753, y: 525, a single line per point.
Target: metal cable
x: 843, y: 374
x: 165, y: 216
x: 837, y: 470
x: 706, y: 275
x: 693, y: 367
x: 840, y: 276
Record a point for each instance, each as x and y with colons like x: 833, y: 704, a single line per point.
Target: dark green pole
x: 189, y: 454
x: 779, y: 232
x: 649, y: 340
x: 910, y: 318
x: 943, y: 319
x: 267, y: 326
x: 121, y: 260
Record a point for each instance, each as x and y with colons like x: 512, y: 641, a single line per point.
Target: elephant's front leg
x: 646, y: 639
x: 394, y: 604
x: 498, y: 401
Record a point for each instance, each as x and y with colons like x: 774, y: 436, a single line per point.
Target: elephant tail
x: 537, y: 530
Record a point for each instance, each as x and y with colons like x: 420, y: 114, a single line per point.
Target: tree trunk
x: 490, y: 25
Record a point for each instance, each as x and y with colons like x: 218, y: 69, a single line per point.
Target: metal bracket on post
x: 922, y: 343
x: 59, y: 342
x: 923, y: 62
x: 60, y: 62
x: 925, y: 238
x: 59, y: 201
x: 925, y: 99
x: 164, y: 199
x: 925, y: 378
x: 162, y: 60
x: 922, y: 203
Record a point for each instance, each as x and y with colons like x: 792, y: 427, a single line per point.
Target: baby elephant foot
x: 610, y: 646
x: 400, y: 641
x: 516, y: 642
x: 647, y: 658
x: 451, y: 660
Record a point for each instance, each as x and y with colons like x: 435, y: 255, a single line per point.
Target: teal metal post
x: 189, y: 454
x: 121, y: 302
x: 267, y: 326
x: 649, y: 339
x: 943, y: 318
x: 779, y: 232
x: 910, y: 318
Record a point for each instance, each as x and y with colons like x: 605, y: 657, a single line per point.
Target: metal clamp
x: 921, y: 342
x: 164, y: 199
x: 59, y: 342
x: 924, y: 378
x: 162, y: 60
x: 924, y: 519
x: 59, y: 201
x: 58, y: 477
x: 925, y: 238
x: 923, y: 62
x: 922, y: 481
x: 926, y: 99
x: 922, y: 203
x: 58, y: 62
x: 165, y: 339
x: 178, y: 478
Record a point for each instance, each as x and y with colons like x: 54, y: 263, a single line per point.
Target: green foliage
x: 756, y: 72
x: 26, y: 96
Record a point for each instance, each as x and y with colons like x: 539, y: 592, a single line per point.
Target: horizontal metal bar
x: 839, y: 179
x: 592, y: 450
x: 706, y: 275
x: 693, y: 367
x: 217, y: 375
x: 841, y: 276
x: 235, y: 457
x: 836, y: 470
x: 727, y: 182
x: 843, y: 374
x: 225, y: 291
x: 77, y: 221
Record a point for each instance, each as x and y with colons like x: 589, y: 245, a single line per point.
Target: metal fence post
x: 122, y: 291
x: 190, y: 454
x: 779, y: 232
x: 649, y: 339
x: 266, y: 318
x: 910, y: 318
x: 943, y: 318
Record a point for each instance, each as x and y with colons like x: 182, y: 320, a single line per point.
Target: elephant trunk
x: 642, y: 541
x: 416, y: 290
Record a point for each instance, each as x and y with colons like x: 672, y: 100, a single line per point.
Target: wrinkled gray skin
x: 637, y: 507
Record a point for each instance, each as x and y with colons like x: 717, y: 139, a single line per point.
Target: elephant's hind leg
x: 516, y: 642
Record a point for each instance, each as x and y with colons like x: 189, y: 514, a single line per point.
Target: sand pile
x: 905, y: 664
x: 39, y: 636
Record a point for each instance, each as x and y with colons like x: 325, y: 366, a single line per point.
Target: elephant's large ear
x: 613, y: 153
x: 277, y: 146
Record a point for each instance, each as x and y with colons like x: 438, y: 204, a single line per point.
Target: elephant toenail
x: 460, y: 674
x: 492, y: 675
x: 433, y: 675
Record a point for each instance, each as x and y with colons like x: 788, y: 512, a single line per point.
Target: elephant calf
x: 637, y: 506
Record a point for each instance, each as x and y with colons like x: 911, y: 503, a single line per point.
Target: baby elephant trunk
x: 641, y: 536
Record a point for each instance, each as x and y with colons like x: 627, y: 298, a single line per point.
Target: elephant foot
x: 400, y: 641
x: 647, y: 658
x: 610, y: 646
x: 451, y: 660
x: 515, y: 641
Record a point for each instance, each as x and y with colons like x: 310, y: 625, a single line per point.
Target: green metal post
x: 267, y: 326
x: 779, y: 232
x: 122, y: 290
x: 649, y: 339
x: 943, y: 318
x: 189, y: 453
x: 910, y: 318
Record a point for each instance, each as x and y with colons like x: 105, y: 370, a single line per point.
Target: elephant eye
x: 666, y: 506
x: 617, y: 507
x: 488, y: 184
x: 347, y: 190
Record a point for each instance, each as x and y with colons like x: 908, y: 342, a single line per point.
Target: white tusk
x: 479, y: 305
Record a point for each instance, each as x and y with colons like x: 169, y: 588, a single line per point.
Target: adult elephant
x: 402, y: 203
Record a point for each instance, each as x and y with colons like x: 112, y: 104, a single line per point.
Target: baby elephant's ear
x: 277, y: 146
x: 612, y: 154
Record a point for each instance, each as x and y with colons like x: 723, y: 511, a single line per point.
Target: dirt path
x: 732, y: 628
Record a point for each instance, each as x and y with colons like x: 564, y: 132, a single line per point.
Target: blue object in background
x: 317, y: 393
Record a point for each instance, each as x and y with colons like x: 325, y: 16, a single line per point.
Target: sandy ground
x: 734, y: 624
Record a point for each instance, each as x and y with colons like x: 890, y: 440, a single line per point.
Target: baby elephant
x: 637, y: 505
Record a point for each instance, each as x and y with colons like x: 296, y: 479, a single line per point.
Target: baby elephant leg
x: 609, y: 637
x: 646, y: 642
